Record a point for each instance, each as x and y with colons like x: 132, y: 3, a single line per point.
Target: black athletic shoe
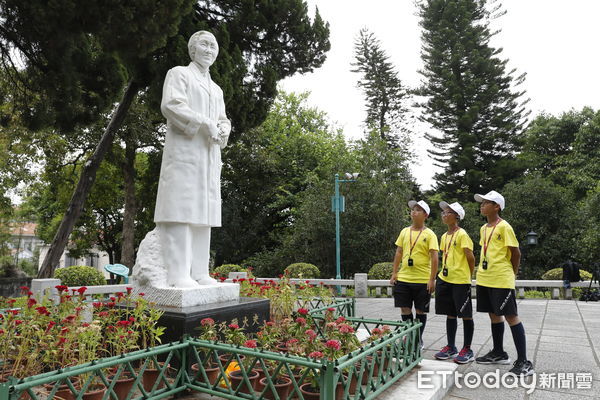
x: 522, y: 368
x: 494, y: 358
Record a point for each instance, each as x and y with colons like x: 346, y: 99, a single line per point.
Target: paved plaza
x: 563, y: 337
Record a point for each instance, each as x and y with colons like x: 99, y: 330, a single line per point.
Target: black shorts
x: 405, y: 294
x: 453, y: 299
x: 499, y: 301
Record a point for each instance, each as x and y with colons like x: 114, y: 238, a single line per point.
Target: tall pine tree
x: 382, y: 88
x: 471, y: 97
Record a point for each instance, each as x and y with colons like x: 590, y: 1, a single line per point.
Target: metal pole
x: 337, y: 228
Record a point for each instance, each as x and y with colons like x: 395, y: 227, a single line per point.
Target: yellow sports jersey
x: 421, y: 265
x: 499, y: 272
x: 454, y: 259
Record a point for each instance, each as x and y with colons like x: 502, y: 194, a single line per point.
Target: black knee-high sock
x: 469, y: 328
x: 423, y: 319
x: 451, y: 326
x: 407, y: 317
x: 518, y: 334
x: 498, y: 336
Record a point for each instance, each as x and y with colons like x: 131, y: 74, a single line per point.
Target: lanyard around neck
x: 486, y: 239
x: 412, y: 245
x: 448, y: 245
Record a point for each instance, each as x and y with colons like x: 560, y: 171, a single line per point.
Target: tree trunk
x: 128, y: 244
x: 86, y: 181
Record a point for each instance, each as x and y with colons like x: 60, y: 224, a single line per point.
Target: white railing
x: 360, y: 284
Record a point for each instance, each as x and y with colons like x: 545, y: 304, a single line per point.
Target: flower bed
x: 311, y: 354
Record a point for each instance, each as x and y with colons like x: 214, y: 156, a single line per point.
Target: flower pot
x: 229, y: 357
x: 212, y: 373
x: 123, y: 386
x: 150, y: 376
x: 95, y: 392
x: 237, y: 381
x: 63, y: 391
x: 283, y: 386
x: 310, y: 393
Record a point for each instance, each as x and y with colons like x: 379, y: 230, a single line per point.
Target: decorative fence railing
x: 207, y: 366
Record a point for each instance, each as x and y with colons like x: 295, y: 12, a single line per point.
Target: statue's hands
x: 213, y: 132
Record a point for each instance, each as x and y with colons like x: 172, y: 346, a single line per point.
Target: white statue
x: 188, y: 202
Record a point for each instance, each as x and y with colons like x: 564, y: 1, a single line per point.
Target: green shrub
x: 382, y: 270
x: 225, y: 269
x: 80, y: 275
x: 303, y: 270
x: 536, y: 294
x: 555, y: 274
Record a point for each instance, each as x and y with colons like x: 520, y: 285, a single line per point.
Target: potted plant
x: 240, y: 383
x: 208, y: 331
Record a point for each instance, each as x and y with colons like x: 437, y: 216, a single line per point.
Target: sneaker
x: 494, y: 358
x: 446, y: 352
x: 522, y: 368
x: 465, y: 356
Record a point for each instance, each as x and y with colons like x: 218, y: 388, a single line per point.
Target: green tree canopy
x: 471, y: 101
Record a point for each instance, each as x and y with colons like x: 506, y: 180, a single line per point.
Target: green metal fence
x: 211, y: 367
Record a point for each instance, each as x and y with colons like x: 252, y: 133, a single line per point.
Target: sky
x: 555, y: 42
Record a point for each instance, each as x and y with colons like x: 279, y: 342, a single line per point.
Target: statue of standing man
x: 188, y: 203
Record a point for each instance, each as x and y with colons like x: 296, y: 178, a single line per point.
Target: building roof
x: 23, y: 229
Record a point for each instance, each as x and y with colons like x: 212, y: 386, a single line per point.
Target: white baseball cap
x: 457, y: 208
x: 491, y: 196
x: 420, y: 203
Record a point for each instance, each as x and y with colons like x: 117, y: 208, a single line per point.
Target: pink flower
x: 250, y: 344
x: 340, y: 320
x: 291, y: 342
x: 345, y: 328
x: 233, y: 326
x: 376, y: 331
x: 207, y: 322
x: 270, y: 323
x: 333, y: 344
x: 300, y: 321
x: 315, y: 354
x: 311, y: 334
x: 103, y: 314
x: 302, y: 311
x: 331, y: 309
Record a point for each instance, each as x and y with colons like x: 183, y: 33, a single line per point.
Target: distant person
x: 453, y: 286
x: 498, y: 265
x: 415, y: 266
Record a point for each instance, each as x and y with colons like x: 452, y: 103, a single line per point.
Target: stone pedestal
x: 191, y: 297
x: 184, y: 320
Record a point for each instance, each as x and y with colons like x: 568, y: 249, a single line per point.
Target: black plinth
x: 180, y: 321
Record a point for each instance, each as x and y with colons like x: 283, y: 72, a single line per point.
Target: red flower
x: 11, y: 301
x: 61, y: 288
x: 13, y: 312
x: 123, y: 323
x: 81, y: 290
x: 270, y: 323
x: 222, y: 279
x: 97, y: 304
x: 331, y: 309
x: 333, y: 344
x: 129, y: 289
x: 24, y: 289
x: 300, y: 321
x: 132, y: 319
x: 50, y: 326
x: 111, y: 304
x: 207, y: 321
x: 142, y: 294
x: 315, y: 354
x: 42, y: 310
x: 291, y: 342
x: 85, y: 324
x: 31, y: 302
x: 18, y: 322
x: 302, y: 311
x: 61, y: 340
x: 1, y: 331
x: 233, y: 326
x: 376, y: 331
x: 345, y: 328
x: 119, y: 295
x: 250, y: 344
x: 340, y: 320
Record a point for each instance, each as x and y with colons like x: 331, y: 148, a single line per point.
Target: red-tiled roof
x: 24, y: 229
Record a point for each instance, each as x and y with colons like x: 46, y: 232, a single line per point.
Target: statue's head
x: 203, y: 48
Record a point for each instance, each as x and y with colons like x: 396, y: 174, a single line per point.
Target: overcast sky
x: 554, y: 41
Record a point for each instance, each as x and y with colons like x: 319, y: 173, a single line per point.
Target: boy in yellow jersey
x: 498, y: 266
x: 453, y: 286
x: 417, y: 251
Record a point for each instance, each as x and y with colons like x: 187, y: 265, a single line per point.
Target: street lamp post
x: 531, y: 240
x: 338, y: 206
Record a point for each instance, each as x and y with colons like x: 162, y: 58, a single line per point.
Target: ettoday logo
x: 472, y: 380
